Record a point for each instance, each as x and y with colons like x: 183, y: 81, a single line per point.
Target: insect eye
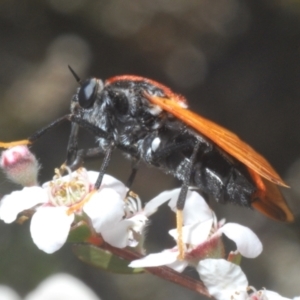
x: 88, y: 93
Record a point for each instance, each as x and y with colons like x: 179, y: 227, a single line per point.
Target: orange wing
x: 268, y: 198
x: 222, y: 137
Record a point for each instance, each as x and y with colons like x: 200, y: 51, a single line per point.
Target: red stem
x: 163, y: 272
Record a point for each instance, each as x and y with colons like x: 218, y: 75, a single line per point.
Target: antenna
x: 75, y: 75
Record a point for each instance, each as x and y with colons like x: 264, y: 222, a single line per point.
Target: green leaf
x: 80, y: 233
x: 103, y: 259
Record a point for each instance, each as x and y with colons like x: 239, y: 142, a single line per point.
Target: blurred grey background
x: 236, y: 61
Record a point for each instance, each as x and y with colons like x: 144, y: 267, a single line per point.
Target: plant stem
x: 163, y: 272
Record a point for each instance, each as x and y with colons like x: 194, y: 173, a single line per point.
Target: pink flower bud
x: 20, y: 165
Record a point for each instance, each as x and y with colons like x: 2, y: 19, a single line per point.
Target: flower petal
x: 50, y: 227
x: 195, y: 208
x: 116, y: 234
x: 126, y: 232
x: 156, y: 259
x: 7, y: 293
x: 11, y: 205
x: 247, y: 242
x: 105, y: 208
x: 178, y: 265
x: 223, y: 279
x: 109, y: 182
x: 267, y: 295
x: 152, y: 206
x: 194, y: 234
x: 62, y: 287
x: 93, y: 176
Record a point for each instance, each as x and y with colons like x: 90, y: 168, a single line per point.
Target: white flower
x: 50, y: 227
x: 223, y: 279
x: 56, y: 287
x: 247, y: 242
x: 195, y: 209
x: 130, y: 229
x: 191, y: 234
x: 16, y: 202
x: 57, y: 202
x: 266, y: 295
x: 7, y: 293
x: 201, y: 235
x: 62, y: 287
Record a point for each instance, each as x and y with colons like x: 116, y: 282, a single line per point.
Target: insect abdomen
x: 223, y: 179
x: 215, y: 173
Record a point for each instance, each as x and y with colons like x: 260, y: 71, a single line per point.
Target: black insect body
x: 152, y: 124
x: 149, y: 134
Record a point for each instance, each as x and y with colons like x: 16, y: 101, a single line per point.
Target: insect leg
x: 83, y: 154
x: 90, y: 127
x: 73, y: 146
x: 182, y: 198
x: 30, y: 140
x: 75, y: 157
x: 104, y: 165
x: 134, y: 169
x: 79, y: 155
x: 37, y: 134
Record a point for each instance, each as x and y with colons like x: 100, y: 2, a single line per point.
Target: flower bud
x: 20, y: 165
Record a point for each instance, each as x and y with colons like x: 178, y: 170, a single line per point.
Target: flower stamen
x: 68, y: 191
x: 133, y: 204
x: 78, y: 206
